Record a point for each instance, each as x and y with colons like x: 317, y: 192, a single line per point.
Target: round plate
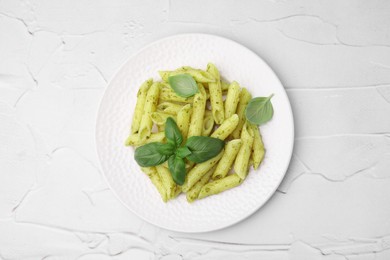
x: 133, y: 187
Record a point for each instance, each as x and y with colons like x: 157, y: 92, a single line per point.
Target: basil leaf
x: 203, y: 148
x: 149, y: 155
x: 183, y: 152
x: 184, y: 85
x: 172, y: 132
x: 259, y: 110
x: 177, y: 167
x: 166, y: 149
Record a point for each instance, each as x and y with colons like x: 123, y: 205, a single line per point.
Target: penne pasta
x: 245, y: 97
x: 200, y: 76
x: 167, y: 94
x: 232, y: 98
x: 227, y: 127
x: 167, y: 181
x: 155, y: 178
x: 169, y: 108
x: 241, y: 164
x: 224, y: 165
x: 145, y: 128
x: 183, y: 120
x: 208, y: 124
x: 160, y: 118
x: 216, y: 95
x: 199, y: 170
x: 193, y: 193
x: 219, y: 186
x: 134, y: 139
x: 139, y: 107
x: 224, y: 85
x: 199, y: 106
x: 258, y: 150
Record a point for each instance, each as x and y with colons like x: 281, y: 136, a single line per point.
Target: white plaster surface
x: 333, y: 58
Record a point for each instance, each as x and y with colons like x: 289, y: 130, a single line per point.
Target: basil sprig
x: 184, y: 85
x: 259, y: 110
x: 197, y: 149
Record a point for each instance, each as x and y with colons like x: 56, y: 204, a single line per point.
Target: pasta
x: 245, y: 97
x: 242, y: 160
x: 169, y: 108
x: 193, y: 193
x: 223, y: 166
x: 208, y: 124
x: 183, y: 119
x: 150, y: 106
x: 232, y: 98
x: 199, y: 75
x: 199, y: 114
x: 167, y: 181
x: 160, y: 118
x: 226, y: 128
x: 199, y: 106
x: 134, y: 139
x: 219, y: 186
x: 200, y: 169
x: 139, y: 107
x: 258, y: 150
x: 155, y: 178
x: 216, y: 95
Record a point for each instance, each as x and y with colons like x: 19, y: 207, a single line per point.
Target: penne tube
x: 169, y: 108
x: 183, y: 120
x: 199, y: 106
x: 208, y: 124
x: 193, y: 193
x: 160, y: 118
x: 241, y: 164
x: 226, y: 128
x: 134, y: 139
x: 219, y: 186
x: 200, y: 76
x: 199, y: 170
x: 167, y: 181
x: 258, y: 150
x: 150, y: 106
x: 232, y: 99
x: 245, y: 97
x: 231, y: 149
x: 167, y: 94
x: 155, y: 178
x: 139, y: 107
x: 216, y: 95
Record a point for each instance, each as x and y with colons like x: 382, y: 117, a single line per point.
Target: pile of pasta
x: 217, y: 110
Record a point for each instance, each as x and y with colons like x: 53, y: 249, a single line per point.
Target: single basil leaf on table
x: 149, y: 155
x: 172, y: 132
x: 166, y: 149
x: 184, y: 85
x: 183, y: 152
x: 203, y: 148
x: 259, y: 110
x: 177, y: 167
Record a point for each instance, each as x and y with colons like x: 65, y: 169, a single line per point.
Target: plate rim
x: 290, y: 145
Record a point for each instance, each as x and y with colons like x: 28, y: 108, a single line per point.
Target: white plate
x: 133, y: 187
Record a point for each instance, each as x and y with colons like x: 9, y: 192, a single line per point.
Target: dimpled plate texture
x: 133, y: 187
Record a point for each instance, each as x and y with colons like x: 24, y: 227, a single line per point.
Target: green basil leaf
x: 203, y: 148
x: 149, y: 155
x: 177, y: 167
x: 184, y: 85
x: 183, y: 152
x: 172, y: 132
x: 259, y: 110
x: 166, y: 149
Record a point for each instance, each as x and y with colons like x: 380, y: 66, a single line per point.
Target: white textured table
x: 333, y: 58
